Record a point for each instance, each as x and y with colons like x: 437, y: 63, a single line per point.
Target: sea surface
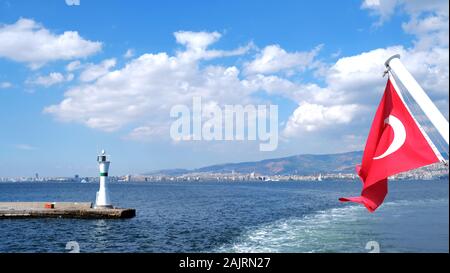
x: 236, y: 217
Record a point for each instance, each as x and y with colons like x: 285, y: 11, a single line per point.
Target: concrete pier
x: 80, y: 210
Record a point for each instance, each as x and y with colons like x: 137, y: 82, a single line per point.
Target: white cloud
x: 94, y: 71
x: 129, y: 54
x: 148, y: 86
x: 359, y: 78
x: 356, y: 80
x: 196, y: 44
x: 351, y: 80
x: 148, y: 132
x: 50, y: 79
x: 297, y: 92
x: 385, y: 9
x: 72, y: 66
x: 29, y: 42
x: 5, y: 85
x: 70, y: 77
x: 382, y: 8
x: 311, y: 117
x: 336, y: 54
x: 196, y: 41
x: 354, y: 83
x: 430, y: 31
x: 273, y: 59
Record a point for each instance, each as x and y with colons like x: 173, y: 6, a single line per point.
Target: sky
x: 76, y: 79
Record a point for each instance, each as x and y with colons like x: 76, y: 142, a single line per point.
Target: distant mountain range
x: 293, y: 165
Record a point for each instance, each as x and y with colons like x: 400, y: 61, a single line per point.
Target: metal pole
x: 419, y: 95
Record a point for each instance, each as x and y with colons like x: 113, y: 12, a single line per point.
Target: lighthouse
x: 48, y: 209
x: 102, y: 199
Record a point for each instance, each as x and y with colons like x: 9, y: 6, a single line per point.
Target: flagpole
x: 419, y: 95
x: 424, y: 133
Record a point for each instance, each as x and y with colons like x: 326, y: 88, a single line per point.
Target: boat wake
x: 343, y: 229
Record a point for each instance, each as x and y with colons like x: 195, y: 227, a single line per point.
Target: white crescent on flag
x: 399, y: 136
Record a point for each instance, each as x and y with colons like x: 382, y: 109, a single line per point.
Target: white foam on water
x: 343, y: 229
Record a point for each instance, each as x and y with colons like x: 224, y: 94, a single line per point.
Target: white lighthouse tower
x: 102, y: 199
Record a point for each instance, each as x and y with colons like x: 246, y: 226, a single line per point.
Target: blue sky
x: 68, y: 88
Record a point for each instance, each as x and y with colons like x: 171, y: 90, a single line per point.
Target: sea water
x: 236, y: 217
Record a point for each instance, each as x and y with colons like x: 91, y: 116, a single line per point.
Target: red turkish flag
x: 395, y: 144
